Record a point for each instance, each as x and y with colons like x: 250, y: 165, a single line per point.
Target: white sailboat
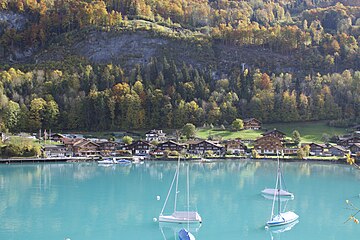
x: 179, y: 216
x: 280, y: 217
x: 280, y: 181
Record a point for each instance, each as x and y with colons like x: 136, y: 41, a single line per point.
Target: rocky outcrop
x: 13, y: 20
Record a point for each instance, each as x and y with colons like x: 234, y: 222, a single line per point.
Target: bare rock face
x: 13, y: 20
x: 102, y: 47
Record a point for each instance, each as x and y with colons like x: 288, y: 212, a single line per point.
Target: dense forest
x: 302, y: 63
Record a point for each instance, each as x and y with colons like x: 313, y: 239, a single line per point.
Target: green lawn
x: 226, y: 134
x: 309, y: 131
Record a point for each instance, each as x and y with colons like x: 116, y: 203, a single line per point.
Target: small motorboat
x: 124, y: 161
x: 107, y: 161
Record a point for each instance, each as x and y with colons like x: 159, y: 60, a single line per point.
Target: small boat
x: 107, y: 161
x: 280, y: 217
x: 124, y: 161
x: 281, y: 184
x: 185, y: 235
x: 282, y: 192
x: 179, y: 216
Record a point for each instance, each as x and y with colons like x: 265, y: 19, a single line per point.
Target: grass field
x: 226, y: 134
x: 309, y: 131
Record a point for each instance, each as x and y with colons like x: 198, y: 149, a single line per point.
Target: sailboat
x: 280, y: 217
x: 179, y: 216
x: 279, y: 181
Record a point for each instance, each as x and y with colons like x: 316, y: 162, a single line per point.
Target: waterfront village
x: 156, y: 144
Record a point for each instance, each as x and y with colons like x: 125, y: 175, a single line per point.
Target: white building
x: 155, y: 135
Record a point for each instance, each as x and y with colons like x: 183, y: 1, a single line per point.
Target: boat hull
x: 181, y: 217
x: 273, y: 191
x: 282, y: 219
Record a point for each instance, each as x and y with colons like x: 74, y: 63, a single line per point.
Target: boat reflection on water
x: 170, y: 231
x: 275, y: 232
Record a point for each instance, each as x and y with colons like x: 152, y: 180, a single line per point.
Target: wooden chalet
x: 139, y: 147
x: 69, y: 142
x: 57, y: 137
x: 346, y: 142
x: 170, y: 146
x: 203, y: 146
x: 85, y: 148
x: 252, y: 123
x: 275, y: 133
x: 317, y: 149
x: 235, y: 146
x: 51, y: 151
x: 109, y: 146
x: 355, y: 148
x: 268, y: 144
x: 290, y: 151
x: 155, y: 135
x: 337, y: 150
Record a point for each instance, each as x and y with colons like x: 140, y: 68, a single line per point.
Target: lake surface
x: 85, y: 201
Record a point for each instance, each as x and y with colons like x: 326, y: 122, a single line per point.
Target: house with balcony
x: 201, y: 147
x: 268, y: 144
x: 235, y: 147
x: 252, y: 123
x: 58, y: 151
x: 85, y: 148
x: 338, y: 151
x: 155, y: 136
x: 139, y: 147
x: 275, y: 133
x: 317, y: 149
x: 348, y: 141
x: 355, y: 149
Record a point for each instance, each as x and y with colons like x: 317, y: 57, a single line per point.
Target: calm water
x: 87, y: 201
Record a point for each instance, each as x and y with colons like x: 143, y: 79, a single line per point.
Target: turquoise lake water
x: 84, y: 201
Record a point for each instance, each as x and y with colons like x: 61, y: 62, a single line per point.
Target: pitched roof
x: 137, y: 142
x: 83, y: 142
x: 173, y: 142
x: 273, y: 130
x: 251, y: 119
x: 58, y: 134
x: 339, y: 148
x: 267, y: 136
x: 317, y: 144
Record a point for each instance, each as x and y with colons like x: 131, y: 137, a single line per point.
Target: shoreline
x: 196, y: 159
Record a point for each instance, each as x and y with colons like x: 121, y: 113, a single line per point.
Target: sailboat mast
x: 177, y: 183
x: 188, y: 193
x: 168, y: 194
x: 279, y: 180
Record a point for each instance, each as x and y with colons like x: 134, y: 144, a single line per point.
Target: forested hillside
x: 134, y: 64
